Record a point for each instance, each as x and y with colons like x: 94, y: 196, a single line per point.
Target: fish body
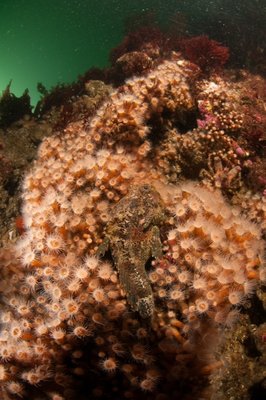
x: 133, y: 236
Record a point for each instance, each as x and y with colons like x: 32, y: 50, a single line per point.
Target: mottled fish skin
x: 133, y: 236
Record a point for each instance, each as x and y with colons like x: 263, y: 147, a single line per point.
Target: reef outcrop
x: 67, y: 329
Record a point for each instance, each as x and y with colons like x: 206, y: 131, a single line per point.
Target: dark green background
x: 53, y: 41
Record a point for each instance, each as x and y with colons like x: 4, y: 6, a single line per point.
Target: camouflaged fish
x: 133, y: 236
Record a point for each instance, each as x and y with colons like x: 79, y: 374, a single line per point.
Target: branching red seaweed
x: 205, y: 52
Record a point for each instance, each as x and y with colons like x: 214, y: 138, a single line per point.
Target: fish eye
x: 146, y: 187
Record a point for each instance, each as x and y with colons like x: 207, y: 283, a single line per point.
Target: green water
x: 52, y: 41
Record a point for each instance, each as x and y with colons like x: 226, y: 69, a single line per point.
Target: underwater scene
x: 132, y: 200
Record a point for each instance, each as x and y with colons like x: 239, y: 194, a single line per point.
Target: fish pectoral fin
x: 138, y: 291
x: 104, y: 246
x: 128, y: 278
x: 155, y: 243
x: 145, y: 306
x: 127, y: 284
